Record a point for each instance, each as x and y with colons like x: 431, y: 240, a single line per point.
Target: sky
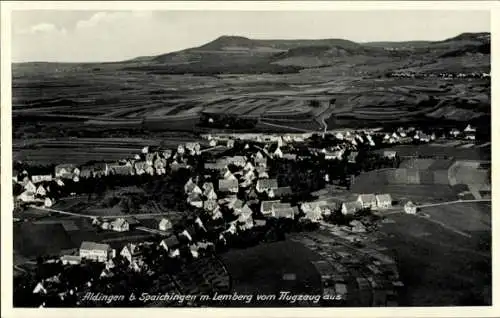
x: 104, y: 36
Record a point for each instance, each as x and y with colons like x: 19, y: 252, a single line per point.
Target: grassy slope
x: 259, y: 270
x: 439, y: 267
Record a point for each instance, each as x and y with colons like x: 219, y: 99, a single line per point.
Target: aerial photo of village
x: 251, y: 171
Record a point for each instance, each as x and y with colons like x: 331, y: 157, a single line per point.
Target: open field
x: 82, y: 150
x: 141, y: 107
x: 470, y: 217
x: 438, y: 151
x: 438, y: 266
x: 259, y: 270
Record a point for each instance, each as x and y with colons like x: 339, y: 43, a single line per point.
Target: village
x: 240, y: 189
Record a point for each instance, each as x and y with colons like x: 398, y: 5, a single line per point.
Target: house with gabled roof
x: 119, y: 169
x: 324, y: 207
x: 195, y: 199
x: 216, y: 213
x: 228, y: 175
x: 41, y: 178
x: 245, y: 209
x: 39, y: 289
x: 120, y: 225
x: 314, y: 215
x: 167, y: 153
x: 169, y: 243
x: 140, y: 167
x: 249, y: 175
x: 266, y: 185
x: 469, y: 129
x: 196, y: 189
x: 266, y: 207
x: 210, y: 205
x: 367, y: 201
x: 187, y: 234
x: 245, y: 222
x: 180, y: 149
x: 384, y: 201
x: 149, y: 158
x: 70, y: 259
x: 235, y: 204
x: 410, y: 208
x: 283, y: 210
x: 131, y: 252
x: 351, y: 207
x: 26, y: 197
x: 262, y: 173
x: 160, y: 165
x: 64, y: 171
x: 352, y: 156
x: 336, y: 154
x: 390, y: 154
x: 40, y: 191
x: 30, y: 187
x: 228, y: 185
x: 239, y: 161
x: 207, y: 186
x: 260, y: 160
x: 48, y: 202
x: 210, y: 194
x: 86, y: 172
x: 189, y: 186
x: 95, y: 251
x: 165, y: 225
x: 248, y: 166
x: 194, y: 148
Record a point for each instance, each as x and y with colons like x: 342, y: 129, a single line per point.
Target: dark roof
x: 225, y: 184
x: 282, y: 191
x: 94, y: 246
x: 268, y: 205
x: 272, y: 147
x: 99, y: 165
x: 171, y: 241
x: 268, y: 183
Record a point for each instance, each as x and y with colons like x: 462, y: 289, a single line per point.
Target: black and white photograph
x: 250, y: 158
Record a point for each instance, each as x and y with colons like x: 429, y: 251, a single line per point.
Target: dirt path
x: 287, y: 127
x: 103, y: 216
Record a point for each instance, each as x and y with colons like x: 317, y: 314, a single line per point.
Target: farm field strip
x: 463, y: 216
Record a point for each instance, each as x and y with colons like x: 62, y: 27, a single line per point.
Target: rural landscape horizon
x: 246, y: 172
x: 379, y: 43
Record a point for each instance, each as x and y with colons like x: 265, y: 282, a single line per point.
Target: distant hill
x: 237, y: 54
x: 241, y: 55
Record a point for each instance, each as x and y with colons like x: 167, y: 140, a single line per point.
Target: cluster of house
x: 244, y: 175
x: 37, y: 188
x: 410, y: 134
x: 257, y: 137
x: 445, y: 75
x: 367, y: 201
x: 469, y: 133
x: 133, y: 252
